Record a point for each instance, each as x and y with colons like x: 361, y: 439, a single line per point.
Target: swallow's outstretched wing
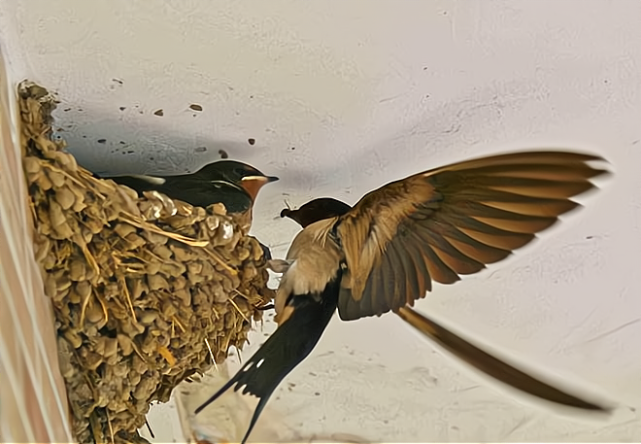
x: 451, y: 221
x: 301, y: 327
x: 324, y: 208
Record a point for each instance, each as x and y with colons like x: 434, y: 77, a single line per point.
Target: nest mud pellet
x: 146, y: 291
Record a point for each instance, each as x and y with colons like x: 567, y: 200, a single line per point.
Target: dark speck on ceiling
x: 201, y: 149
x: 159, y: 113
x: 118, y: 81
x: 223, y: 154
x: 196, y: 107
x: 102, y: 141
x: 122, y: 108
x: 251, y: 141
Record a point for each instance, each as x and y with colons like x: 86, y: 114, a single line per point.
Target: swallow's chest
x: 314, y: 262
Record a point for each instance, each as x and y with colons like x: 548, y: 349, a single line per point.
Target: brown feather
x: 534, y: 188
x: 420, y: 260
x: 481, y: 212
x: 381, y: 287
x: 417, y: 271
x: 465, y: 244
x: 458, y: 264
x: 523, y: 225
x: 489, y: 364
x: 541, y: 171
x: 439, y: 244
x: 522, y: 158
x: 451, y: 221
x: 439, y: 271
x: 399, y: 273
x: 534, y: 207
x: 504, y: 240
x: 476, y: 250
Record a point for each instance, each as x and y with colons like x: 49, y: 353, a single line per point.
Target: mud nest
x: 146, y: 291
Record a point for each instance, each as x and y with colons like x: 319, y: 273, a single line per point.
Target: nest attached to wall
x: 146, y: 291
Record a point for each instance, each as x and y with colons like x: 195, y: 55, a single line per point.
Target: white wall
x: 344, y: 96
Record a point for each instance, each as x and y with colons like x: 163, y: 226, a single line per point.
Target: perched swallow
x: 384, y: 253
x: 234, y: 184
x: 326, y: 207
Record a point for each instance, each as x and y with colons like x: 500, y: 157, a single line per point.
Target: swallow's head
x: 315, y: 210
x: 240, y: 174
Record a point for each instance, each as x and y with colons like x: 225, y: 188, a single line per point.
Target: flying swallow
x: 327, y: 207
x: 232, y: 183
x: 386, y: 251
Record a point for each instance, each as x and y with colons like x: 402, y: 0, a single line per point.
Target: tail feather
x: 292, y: 342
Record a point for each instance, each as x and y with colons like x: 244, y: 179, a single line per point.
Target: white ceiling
x: 342, y: 97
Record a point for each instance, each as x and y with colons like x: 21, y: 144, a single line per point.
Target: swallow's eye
x: 241, y: 171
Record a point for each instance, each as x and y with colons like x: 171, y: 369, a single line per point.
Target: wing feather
x: 452, y: 221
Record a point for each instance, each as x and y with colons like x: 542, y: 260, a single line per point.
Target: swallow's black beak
x: 285, y: 212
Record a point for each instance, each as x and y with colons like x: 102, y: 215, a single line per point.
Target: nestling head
x: 239, y: 173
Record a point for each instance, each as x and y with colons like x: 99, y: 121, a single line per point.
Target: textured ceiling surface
x: 341, y: 97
